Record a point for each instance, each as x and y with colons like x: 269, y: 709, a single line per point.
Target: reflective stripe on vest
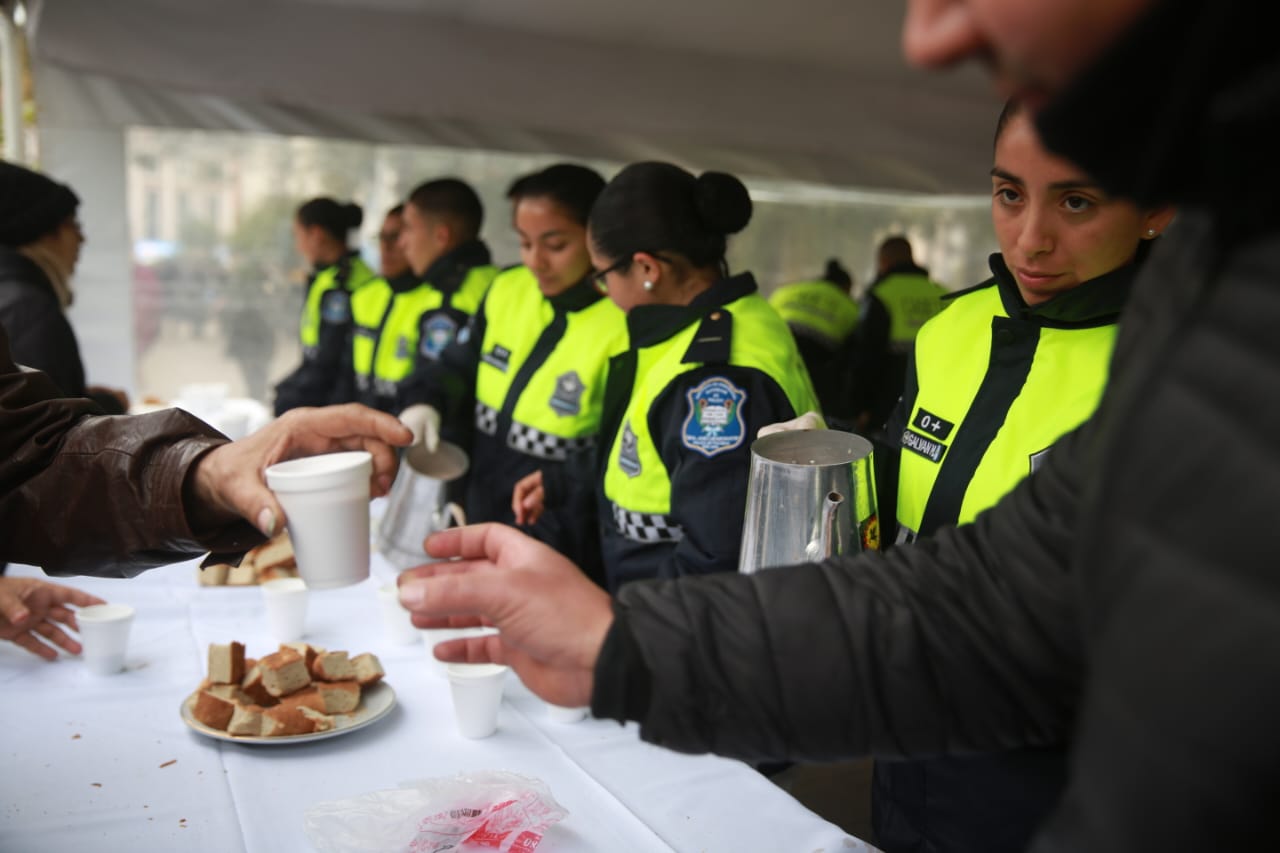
x: 554, y: 401
x: 911, y: 300
x: 358, y: 275
x: 388, y: 326
x: 818, y: 309
x: 636, y: 481
x: 1042, y: 383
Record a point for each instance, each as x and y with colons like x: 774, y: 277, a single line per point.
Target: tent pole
x: 11, y: 74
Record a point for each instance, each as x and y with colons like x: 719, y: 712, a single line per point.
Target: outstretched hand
x: 33, y: 611
x: 528, y: 499
x: 551, y: 620
x: 229, y: 479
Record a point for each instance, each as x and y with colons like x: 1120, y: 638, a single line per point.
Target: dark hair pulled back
x: 336, y: 218
x: 661, y: 208
x: 571, y: 187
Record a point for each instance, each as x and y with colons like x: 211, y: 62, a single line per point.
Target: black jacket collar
x: 1096, y: 302
x: 901, y: 269
x: 448, y: 271
x: 650, y: 324
x: 581, y: 295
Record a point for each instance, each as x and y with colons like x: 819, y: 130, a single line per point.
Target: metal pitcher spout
x: 829, y: 544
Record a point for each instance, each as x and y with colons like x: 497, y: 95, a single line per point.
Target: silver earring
x: 1151, y: 232
x: 648, y: 285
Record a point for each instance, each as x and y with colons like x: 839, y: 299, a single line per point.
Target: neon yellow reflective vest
x: 394, y: 330
x: 744, y: 332
x: 818, y: 309
x: 993, y: 392
x: 543, y: 364
x: 911, y: 299
x: 350, y: 274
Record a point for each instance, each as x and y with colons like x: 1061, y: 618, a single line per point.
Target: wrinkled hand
x: 551, y: 620
x: 809, y: 420
x: 229, y: 479
x: 528, y: 498
x: 31, y: 609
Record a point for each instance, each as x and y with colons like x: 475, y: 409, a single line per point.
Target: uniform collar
x: 1096, y: 302
x: 403, y: 283
x: 448, y: 271
x: 650, y: 324
x: 901, y: 269
x: 344, y: 261
x: 581, y: 295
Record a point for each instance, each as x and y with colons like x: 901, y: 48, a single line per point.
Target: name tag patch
x: 923, y: 446
x: 932, y: 425
x: 499, y: 357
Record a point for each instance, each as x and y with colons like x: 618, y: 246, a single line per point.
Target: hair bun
x: 354, y: 214
x: 723, y: 202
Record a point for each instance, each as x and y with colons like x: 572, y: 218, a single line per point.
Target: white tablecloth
x: 106, y: 764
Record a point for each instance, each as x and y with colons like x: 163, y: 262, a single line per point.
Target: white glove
x: 809, y: 420
x: 424, y: 421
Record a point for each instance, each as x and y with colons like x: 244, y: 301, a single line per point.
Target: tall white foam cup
x: 326, y: 500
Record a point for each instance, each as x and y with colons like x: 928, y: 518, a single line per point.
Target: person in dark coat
x: 40, y: 240
x: 1123, y: 598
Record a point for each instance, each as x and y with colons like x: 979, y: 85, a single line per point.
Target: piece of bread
x: 309, y: 652
x: 226, y: 662
x: 323, y: 722
x: 283, y: 720
x: 255, y: 689
x: 284, y: 672
x: 246, y: 721
x: 276, y: 573
x: 230, y: 692
x: 244, y: 574
x: 338, y: 697
x: 215, y: 575
x: 275, y: 553
x: 368, y: 669
x: 307, y: 697
x: 333, y: 666
x: 214, y: 711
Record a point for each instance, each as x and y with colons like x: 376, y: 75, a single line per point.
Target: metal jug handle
x: 457, y: 513
x: 829, y: 542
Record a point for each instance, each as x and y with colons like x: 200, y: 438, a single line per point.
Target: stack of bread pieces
x: 270, y: 560
x: 294, y: 691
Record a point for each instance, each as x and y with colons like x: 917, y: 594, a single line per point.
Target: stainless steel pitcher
x: 417, y: 505
x: 811, y: 495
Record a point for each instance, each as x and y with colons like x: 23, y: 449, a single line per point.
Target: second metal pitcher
x: 417, y: 506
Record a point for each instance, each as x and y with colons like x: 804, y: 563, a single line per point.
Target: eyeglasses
x: 599, y: 277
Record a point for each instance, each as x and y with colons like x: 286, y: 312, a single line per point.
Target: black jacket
x: 39, y: 334
x: 1126, y: 596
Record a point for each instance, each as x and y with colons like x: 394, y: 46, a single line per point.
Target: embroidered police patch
x: 629, y: 453
x: 714, y: 421
x: 917, y: 443
x: 437, y: 333
x: 932, y: 425
x: 336, y: 307
x: 567, y: 398
x: 499, y: 357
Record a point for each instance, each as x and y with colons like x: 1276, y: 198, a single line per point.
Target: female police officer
x: 530, y: 367
x: 996, y: 378
x: 320, y: 230
x: 709, y: 363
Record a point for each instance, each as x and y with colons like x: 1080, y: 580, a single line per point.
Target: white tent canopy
x: 814, y: 90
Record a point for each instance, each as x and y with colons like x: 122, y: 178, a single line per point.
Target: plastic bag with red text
x: 493, y: 810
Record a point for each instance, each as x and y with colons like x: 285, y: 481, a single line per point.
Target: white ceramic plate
x: 375, y: 703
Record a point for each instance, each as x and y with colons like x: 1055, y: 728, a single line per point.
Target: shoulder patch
x: 713, y: 423
x: 567, y: 398
x: 628, y: 454
x: 437, y: 333
x: 335, y: 307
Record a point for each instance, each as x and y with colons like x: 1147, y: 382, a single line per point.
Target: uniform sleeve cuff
x: 623, y: 683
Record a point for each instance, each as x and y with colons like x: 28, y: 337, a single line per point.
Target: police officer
x: 320, y: 230
x: 898, y: 303
x: 822, y: 316
x: 709, y: 363
x: 402, y: 325
x: 995, y: 379
x: 530, y: 368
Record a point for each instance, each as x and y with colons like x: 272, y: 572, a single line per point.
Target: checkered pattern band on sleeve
x: 646, y: 527
x: 486, y: 419
x: 543, y: 445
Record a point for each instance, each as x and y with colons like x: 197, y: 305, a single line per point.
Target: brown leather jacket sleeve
x: 97, y: 495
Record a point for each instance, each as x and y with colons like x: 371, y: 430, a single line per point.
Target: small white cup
x: 477, y: 693
x: 561, y: 714
x: 326, y: 499
x: 104, y: 633
x: 286, y: 602
x: 395, y: 619
x: 432, y: 636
